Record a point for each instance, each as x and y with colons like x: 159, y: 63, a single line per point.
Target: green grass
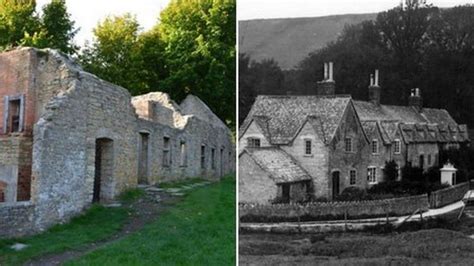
x: 95, y: 224
x: 200, y: 230
x: 180, y: 183
x: 131, y: 195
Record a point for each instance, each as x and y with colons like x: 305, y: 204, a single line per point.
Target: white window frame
x: 372, y: 177
x: 397, y: 146
x: 376, y: 142
x: 347, y: 141
x: 350, y: 177
x: 306, y: 141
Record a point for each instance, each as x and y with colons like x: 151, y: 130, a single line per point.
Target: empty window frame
x: 429, y: 160
x: 183, y: 160
x: 372, y: 174
x: 203, y: 156
x: 348, y: 144
x: 166, y: 152
x: 375, y: 146
x: 213, y: 158
x: 352, y: 177
x: 307, y: 147
x: 253, y: 142
x: 13, y: 113
x: 397, y: 146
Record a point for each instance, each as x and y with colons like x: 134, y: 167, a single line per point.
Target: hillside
x: 290, y: 40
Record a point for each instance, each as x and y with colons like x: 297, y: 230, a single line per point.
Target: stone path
x: 146, y: 210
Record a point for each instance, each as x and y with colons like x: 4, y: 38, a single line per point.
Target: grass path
x: 101, y: 230
x: 200, y: 230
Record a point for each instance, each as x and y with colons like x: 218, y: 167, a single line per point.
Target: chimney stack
x: 374, y: 88
x: 415, y: 99
x: 327, y: 86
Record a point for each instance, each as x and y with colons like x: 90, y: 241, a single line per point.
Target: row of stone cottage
x: 290, y: 146
x: 69, y: 139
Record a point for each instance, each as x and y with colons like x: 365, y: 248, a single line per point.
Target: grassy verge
x: 200, y: 230
x: 96, y: 224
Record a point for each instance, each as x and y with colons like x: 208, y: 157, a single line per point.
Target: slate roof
x: 429, y: 125
x: 287, y: 114
x: 280, y: 165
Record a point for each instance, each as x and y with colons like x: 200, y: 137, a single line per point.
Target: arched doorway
x: 335, y: 183
x: 104, y: 168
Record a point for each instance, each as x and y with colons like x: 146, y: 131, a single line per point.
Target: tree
x: 17, y: 18
x: 199, y: 38
x: 391, y: 171
x: 115, y: 55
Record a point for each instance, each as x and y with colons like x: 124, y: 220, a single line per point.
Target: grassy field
x: 448, y: 243
x: 96, y: 224
x: 198, y: 230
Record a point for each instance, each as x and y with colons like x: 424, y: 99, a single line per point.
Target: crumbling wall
x: 65, y: 140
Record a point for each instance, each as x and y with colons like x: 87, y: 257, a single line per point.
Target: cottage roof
x: 280, y: 165
x: 287, y: 114
x: 429, y: 125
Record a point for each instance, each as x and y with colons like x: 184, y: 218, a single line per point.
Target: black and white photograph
x: 355, y: 126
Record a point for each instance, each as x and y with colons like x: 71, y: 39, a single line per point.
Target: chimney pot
x: 376, y: 77
x: 371, y: 80
x: 331, y: 71
x: 325, y: 71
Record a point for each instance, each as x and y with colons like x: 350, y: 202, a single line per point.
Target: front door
x: 285, y: 193
x: 335, y: 184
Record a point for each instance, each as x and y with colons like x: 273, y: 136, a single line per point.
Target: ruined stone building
x: 293, y: 145
x: 69, y: 139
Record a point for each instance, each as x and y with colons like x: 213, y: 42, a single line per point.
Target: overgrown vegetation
x: 131, y: 195
x: 95, y: 224
x: 200, y: 230
x: 180, y: 183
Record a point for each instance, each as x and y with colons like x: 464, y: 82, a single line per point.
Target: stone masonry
x: 69, y: 139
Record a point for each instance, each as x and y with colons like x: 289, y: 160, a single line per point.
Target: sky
x: 252, y: 9
x: 87, y: 13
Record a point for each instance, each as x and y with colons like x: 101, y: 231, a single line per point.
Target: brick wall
x: 332, y: 210
x: 448, y: 195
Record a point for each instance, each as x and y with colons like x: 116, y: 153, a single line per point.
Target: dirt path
x: 146, y: 210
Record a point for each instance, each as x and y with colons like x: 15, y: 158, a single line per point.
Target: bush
x: 412, y: 174
x: 352, y: 194
x: 403, y: 188
x: 432, y: 175
x: 391, y: 170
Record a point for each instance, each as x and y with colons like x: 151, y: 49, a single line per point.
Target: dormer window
x: 13, y: 114
x: 253, y: 142
x: 397, y: 146
x: 348, y: 144
x: 375, y: 146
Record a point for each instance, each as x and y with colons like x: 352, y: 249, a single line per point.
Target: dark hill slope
x: 290, y: 40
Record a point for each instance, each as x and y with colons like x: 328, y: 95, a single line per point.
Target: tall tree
x: 199, y: 38
x: 17, y: 18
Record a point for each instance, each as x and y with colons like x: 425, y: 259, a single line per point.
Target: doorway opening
x: 143, y: 158
x: 104, y: 166
x: 335, y: 184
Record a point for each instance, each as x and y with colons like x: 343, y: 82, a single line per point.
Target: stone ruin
x: 69, y: 139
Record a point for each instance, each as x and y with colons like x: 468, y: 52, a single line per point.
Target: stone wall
x: 448, y: 195
x: 255, y: 184
x: 16, y: 219
x: 332, y: 210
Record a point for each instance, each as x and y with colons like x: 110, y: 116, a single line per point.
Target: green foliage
x: 352, y: 194
x: 20, y: 25
x: 131, y: 195
x: 96, y: 224
x: 390, y: 170
x: 200, y: 230
x: 190, y: 51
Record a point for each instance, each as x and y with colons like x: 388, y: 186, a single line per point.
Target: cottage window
x: 352, y: 177
x: 372, y: 174
x: 429, y: 159
x: 307, y: 147
x: 375, y: 146
x: 397, y: 147
x: 166, y: 152
x: 183, y: 157
x: 213, y: 158
x: 203, y: 156
x: 13, y: 114
x: 348, y: 144
x: 253, y: 142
